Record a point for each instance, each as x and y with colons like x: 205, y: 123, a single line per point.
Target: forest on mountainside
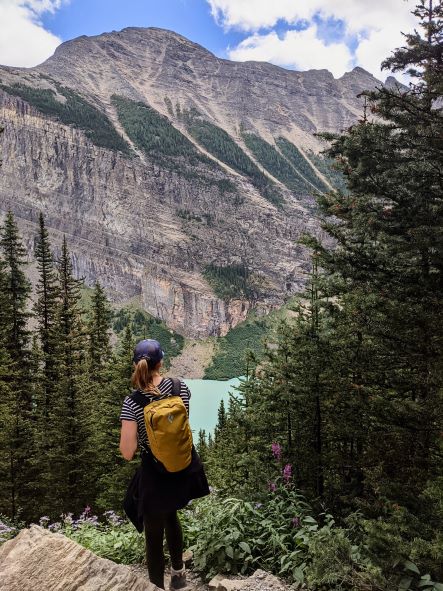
x: 327, y: 464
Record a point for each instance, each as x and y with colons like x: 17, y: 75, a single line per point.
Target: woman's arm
x: 128, y: 439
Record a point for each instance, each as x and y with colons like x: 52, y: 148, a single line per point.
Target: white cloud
x: 301, y: 50
x: 24, y: 41
x: 377, y: 24
x: 251, y: 15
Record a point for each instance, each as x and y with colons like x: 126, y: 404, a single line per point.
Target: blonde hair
x: 142, y: 375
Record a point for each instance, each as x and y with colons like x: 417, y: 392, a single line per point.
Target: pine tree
x: 15, y: 290
x: 102, y: 397
x: 69, y: 416
x: 99, y: 330
x: 45, y: 310
x: 114, y: 471
x: 388, y: 268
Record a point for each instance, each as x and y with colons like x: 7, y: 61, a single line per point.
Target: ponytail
x: 141, y: 378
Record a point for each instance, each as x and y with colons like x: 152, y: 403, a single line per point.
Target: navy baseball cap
x: 148, y: 349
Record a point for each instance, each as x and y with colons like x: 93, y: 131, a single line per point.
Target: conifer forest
x: 327, y: 463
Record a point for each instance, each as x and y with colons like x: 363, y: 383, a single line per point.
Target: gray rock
x: 38, y: 560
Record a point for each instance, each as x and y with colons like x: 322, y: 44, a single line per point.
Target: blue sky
x: 299, y: 34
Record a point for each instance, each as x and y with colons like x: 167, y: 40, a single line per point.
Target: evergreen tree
x: 99, y: 329
x: 101, y: 395
x: 15, y: 290
x: 114, y: 471
x: 69, y: 418
x: 388, y: 266
x: 45, y: 310
x: 202, y: 445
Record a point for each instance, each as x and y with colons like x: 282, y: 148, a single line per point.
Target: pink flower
x: 276, y: 450
x: 287, y: 472
x: 272, y: 486
x: 296, y: 522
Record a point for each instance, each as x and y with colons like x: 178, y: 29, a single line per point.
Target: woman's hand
x: 128, y: 439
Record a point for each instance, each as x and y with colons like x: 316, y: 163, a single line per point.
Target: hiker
x: 171, y: 473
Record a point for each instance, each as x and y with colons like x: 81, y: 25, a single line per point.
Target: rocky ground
x: 193, y: 360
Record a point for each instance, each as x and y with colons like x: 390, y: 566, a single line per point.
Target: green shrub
x: 328, y: 168
x: 9, y: 528
x: 114, y: 538
x: 231, y: 281
x: 74, y: 111
x: 280, y: 535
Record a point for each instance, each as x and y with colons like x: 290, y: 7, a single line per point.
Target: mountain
x: 179, y: 178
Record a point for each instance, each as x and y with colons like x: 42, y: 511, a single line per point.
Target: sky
x: 296, y: 34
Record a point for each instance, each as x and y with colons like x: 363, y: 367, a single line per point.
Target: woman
x: 154, y: 495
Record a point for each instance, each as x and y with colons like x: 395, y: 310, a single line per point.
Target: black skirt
x: 153, y: 492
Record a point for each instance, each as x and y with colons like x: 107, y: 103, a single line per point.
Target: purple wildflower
x: 113, y: 518
x: 43, y: 522
x: 258, y: 505
x: 276, y: 450
x: 296, y: 522
x: 287, y: 472
x: 272, y: 486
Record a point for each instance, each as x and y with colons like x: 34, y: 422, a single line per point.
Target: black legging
x: 155, y: 527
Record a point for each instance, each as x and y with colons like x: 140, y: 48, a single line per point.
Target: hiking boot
x: 178, y: 580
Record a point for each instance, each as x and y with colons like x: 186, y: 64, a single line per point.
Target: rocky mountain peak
x: 144, y: 137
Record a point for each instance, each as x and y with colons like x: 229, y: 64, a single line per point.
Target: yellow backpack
x: 168, y: 429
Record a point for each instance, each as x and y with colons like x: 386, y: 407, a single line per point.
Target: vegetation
x: 350, y: 396
x: 326, y: 165
x: 143, y: 326
x: 327, y: 463
x: 232, y: 281
x: 72, y: 109
x: 233, y: 350
x: 219, y: 143
x: 155, y: 135
x: 301, y: 165
x: 276, y: 164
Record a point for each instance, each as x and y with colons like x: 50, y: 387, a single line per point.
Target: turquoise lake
x: 206, y: 396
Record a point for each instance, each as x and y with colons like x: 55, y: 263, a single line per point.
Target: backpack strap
x: 143, y: 400
x: 139, y: 398
x: 176, y: 387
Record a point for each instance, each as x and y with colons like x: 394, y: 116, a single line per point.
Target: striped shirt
x: 131, y: 411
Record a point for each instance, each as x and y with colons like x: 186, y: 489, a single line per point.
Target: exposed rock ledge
x: 38, y: 560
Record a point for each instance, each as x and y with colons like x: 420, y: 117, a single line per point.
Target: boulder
x: 39, y: 560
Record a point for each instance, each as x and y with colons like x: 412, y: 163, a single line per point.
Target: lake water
x: 206, y: 396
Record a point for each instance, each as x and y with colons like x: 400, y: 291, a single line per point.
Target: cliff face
x: 137, y: 223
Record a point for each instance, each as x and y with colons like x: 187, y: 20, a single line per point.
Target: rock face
x: 137, y: 225
x: 38, y: 560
